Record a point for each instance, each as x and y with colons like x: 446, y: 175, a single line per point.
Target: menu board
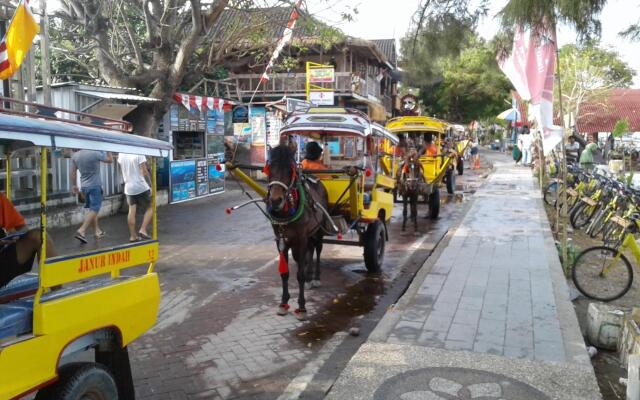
x: 201, y: 177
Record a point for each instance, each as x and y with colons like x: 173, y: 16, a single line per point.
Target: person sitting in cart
x: 18, y: 246
x: 429, y: 149
x: 313, y: 157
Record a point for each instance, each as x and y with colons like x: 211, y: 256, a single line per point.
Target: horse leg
x: 308, y: 268
x: 315, y: 283
x: 284, y: 303
x: 414, y: 210
x: 404, y: 211
x: 301, y: 259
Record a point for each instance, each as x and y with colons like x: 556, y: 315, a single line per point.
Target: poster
x: 216, y: 178
x: 240, y: 115
x: 215, y: 146
x: 201, y: 177
x: 183, y: 180
x: 258, y: 121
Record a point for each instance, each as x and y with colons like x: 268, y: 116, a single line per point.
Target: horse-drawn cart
x: 428, y: 136
x: 355, y: 172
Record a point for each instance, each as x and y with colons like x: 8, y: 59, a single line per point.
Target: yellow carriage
x: 90, y: 303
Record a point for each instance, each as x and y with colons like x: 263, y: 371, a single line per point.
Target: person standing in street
x: 572, y: 149
x: 137, y: 188
x: 525, y: 146
x: 88, y: 163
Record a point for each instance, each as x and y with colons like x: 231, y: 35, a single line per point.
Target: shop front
x: 196, y: 128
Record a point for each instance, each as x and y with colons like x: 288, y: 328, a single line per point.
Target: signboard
x: 191, y: 179
x: 258, y: 121
x: 297, y: 105
x: 322, y: 98
x: 183, y: 180
x: 240, y: 114
x: 321, y: 75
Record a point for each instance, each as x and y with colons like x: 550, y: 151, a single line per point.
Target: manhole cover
x: 453, y: 384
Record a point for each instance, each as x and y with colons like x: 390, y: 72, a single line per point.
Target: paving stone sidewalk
x: 488, y: 315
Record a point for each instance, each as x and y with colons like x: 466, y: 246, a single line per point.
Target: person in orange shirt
x: 429, y: 149
x: 18, y: 246
x: 313, y: 157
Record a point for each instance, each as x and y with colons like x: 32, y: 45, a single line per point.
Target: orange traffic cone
x: 476, y: 163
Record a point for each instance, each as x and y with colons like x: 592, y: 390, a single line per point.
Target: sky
x: 384, y: 19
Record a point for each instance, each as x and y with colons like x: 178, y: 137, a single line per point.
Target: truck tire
x: 374, y: 244
x: 450, y: 180
x: 79, y: 381
x: 434, y: 204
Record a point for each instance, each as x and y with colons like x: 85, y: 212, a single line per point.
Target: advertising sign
x: 216, y: 178
x: 322, y: 98
x: 240, y: 114
x: 183, y: 180
x: 321, y: 75
x: 258, y: 121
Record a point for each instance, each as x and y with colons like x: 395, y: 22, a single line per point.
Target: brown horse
x: 297, y: 208
x: 410, y: 186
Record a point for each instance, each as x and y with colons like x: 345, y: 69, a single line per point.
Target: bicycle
x: 604, y: 273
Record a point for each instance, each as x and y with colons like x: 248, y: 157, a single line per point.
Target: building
x: 365, y: 71
x: 602, y: 116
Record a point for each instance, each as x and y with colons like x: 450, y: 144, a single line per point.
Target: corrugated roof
x: 602, y: 116
x: 118, y: 96
x: 388, y: 48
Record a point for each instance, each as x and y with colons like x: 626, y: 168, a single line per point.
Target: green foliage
x: 621, y: 127
x: 587, y: 73
x: 543, y: 15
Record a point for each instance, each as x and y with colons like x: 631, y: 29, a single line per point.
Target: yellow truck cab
x: 90, y: 302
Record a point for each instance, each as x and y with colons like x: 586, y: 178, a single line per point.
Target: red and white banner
x: 286, y: 38
x: 201, y: 103
x: 531, y: 68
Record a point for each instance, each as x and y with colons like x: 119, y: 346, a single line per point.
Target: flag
x: 531, y: 68
x: 286, y: 38
x: 18, y: 40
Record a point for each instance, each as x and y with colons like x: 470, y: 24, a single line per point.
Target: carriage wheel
x: 374, y: 243
x: 460, y: 166
x: 450, y: 179
x: 434, y: 203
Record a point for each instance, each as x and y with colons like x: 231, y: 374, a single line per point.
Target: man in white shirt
x: 138, y: 191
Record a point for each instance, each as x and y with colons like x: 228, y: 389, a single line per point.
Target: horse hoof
x: 315, y: 284
x: 301, y: 315
x: 283, y: 309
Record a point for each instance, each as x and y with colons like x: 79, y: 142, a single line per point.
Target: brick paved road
x: 217, y: 335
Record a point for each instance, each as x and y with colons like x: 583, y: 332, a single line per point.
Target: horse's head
x: 412, y: 170
x: 282, y: 175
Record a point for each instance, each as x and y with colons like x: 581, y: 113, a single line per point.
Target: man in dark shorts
x: 138, y: 191
x: 17, y: 253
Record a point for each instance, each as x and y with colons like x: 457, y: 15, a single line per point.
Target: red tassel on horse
x: 283, y: 267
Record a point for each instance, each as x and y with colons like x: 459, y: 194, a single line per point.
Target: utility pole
x: 45, y: 62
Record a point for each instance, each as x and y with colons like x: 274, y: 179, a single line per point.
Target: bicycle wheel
x: 597, y: 224
x: 601, y: 273
x: 582, y: 214
x: 551, y: 193
x: 612, y: 234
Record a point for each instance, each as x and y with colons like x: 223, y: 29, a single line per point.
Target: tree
x: 159, y: 46
x: 588, y: 72
x: 472, y: 86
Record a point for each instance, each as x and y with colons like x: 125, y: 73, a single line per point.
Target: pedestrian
x: 572, y: 149
x: 525, y: 146
x: 137, y: 189
x: 88, y: 163
x: 475, y: 150
x: 586, y: 158
x: 18, y: 245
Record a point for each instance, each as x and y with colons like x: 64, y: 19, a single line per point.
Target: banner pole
x: 563, y: 163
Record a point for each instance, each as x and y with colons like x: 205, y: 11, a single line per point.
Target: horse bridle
x: 294, y: 189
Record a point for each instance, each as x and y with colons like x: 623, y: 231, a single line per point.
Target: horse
x: 297, y: 208
x: 410, y: 185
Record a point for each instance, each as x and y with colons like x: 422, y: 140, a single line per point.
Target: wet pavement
x: 488, y: 316
x: 218, y: 335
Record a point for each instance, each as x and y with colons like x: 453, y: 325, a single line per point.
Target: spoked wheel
x: 582, y: 214
x: 450, y: 179
x: 601, y: 273
x: 597, y: 223
x: 551, y: 193
x: 374, y: 244
x: 460, y: 166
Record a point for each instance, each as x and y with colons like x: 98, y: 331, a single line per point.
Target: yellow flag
x: 17, y: 42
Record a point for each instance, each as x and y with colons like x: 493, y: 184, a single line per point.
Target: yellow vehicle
x: 90, y: 303
x: 359, y: 175
x: 438, y: 160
